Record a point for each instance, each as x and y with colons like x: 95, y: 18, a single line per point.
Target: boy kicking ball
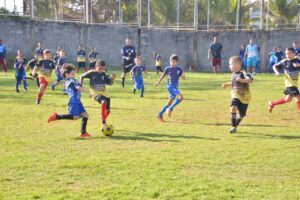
x: 76, y: 109
x: 240, y: 95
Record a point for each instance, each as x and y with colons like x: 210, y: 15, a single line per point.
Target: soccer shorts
x: 100, y: 98
x: 242, y: 108
x: 92, y: 65
x: 81, y: 64
x: 216, y: 61
x: 127, y: 65
x: 138, y: 83
x: 251, y: 62
x: 43, y: 81
x: 293, y: 91
x: 58, y: 76
x: 76, y: 109
x: 20, y: 77
x: 173, y: 91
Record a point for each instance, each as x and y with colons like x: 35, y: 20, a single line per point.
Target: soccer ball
x: 108, y: 130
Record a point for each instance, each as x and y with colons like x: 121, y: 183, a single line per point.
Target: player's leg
x: 3, y: 64
x: 233, y: 111
x: 43, y: 86
x: 142, y: 90
x: 24, y: 83
x: 18, y: 82
x: 84, y: 121
x: 242, y: 108
x: 298, y: 102
x: 286, y: 99
x: 176, y: 92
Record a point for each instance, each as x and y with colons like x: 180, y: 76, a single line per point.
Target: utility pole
x: 195, y: 15
x: 139, y: 13
x: 262, y: 5
x: 237, y: 20
x: 149, y: 14
x: 208, y: 10
x: 178, y: 5
x: 31, y: 9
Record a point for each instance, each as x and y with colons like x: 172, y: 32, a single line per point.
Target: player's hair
x: 100, y: 62
x: 174, y: 57
x: 138, y: 57
x: 291, y: 49
x: 67, y: 68
x: 47, y: 51
x: 236, y: 59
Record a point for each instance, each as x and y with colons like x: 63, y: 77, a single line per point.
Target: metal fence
x: 203, y: 15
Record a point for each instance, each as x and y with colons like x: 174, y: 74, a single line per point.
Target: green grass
x: 191, y: 156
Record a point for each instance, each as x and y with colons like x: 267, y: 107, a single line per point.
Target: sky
x: 10, y: 4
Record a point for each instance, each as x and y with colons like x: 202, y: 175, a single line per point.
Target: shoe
x: 142, y: 95
x: 133, y: 91
x: 53, y: 87
x: 85, y: 135
x: 169, y: 112
x: 233, y: 130
x: 270, y: 106
x: 25, y: 89
x: 52, y: 117
x: 160, y: 118
x: 38, y: 101
x: 17, y: 90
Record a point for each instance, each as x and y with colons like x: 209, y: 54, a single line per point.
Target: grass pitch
x: 191, y: 156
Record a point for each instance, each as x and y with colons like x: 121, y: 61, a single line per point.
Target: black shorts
x: 241, y: 107
x: 159, y: 68
x: 92, y: 65
x: 101, y: 98
x: 81, y: 64
x: 127, y: 65
x: 293, y: 91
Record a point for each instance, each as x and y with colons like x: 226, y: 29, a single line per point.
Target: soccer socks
x: 123, y: 82
x: 163, y: 110
x: 17, y: 86
x: 175, y: 103
x: 83, y: 125
x: 298, y: 105
x: 103, y: 113
x: 142, y: 92
x: 25, y: 84
x: 238, y: 120
x: 278, y: 102
x: 233, y: 120
x: 67, y: 116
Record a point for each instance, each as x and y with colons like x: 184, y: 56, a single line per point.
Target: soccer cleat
x: 53, y: 87
x: 85, y: 135
x: 52, y: 117
x: 17, y: 90
x: 169, y: 112
x: 38, y: 101
x: 270, y: 106
x: 142, y: 95
x: 233, y: 130
x: 160, y: 118
x: 134, y: 90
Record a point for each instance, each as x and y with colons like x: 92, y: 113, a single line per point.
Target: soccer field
x: 191, y: 156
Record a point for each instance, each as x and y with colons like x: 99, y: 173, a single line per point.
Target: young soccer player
x: 39, y: 51
x: 128, y: 55
x: 76, y: 109
x: 60, y: 62
x: 136, y: 75
x: 240, y: 95
x: 158, y: 64
x: 291, y: 68
x: 173, y: 72
x: 30, y: 65
x: 57, y: 55
x: 98, y: 79
x: 20, y: 75
x: 93, y: 58
x: 81, y: 54
x: 46, y: 66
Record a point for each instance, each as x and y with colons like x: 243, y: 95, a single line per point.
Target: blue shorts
x: 20, y: 76
x: 58, y: 76
x: 173, y: 91
x: 76, y: 109
x: 138, y: 83
x: 251, y: 62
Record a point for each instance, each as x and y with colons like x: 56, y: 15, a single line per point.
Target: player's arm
x: 131, y: 73
x: 83, y: 76
x: 248, y: 79
x: 208, y: 53
x: 226, y: 85
x: 183, y: 76
x: 159, y: 80
x: 275, y: 67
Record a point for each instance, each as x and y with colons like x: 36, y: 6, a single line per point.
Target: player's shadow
x: 159, y: 135
x: 250, y: 125
x: 269, y: 136
x: 138, y: 137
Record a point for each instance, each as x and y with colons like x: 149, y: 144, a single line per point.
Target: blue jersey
x: 2, y: 51
x: 93, y: 56
x: 56, y: 57
x: 20, y: 67
x: 297, y: 51
x: 138, y: 71
x: 129, y: 51
x: 81, y: 52
x: 73, y: 92
x: 173, y: 74
x: 61, y: 61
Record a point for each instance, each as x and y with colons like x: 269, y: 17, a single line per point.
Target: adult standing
x: 251, y: 53
x: 215, y: 50
x: 128, y: 55
x: 2, y: 56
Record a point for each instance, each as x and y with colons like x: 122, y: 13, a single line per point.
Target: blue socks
x: 175, y: 103
x: 163, y: 110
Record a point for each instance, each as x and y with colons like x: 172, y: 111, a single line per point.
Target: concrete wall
x: 108, y: 39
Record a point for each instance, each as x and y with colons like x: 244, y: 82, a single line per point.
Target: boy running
x: 46, y: 66
x: 136, y: 75
x: 240, y: 95
x: 20, y: 75
x: 30, y: 65
x: 98, y: 79
x: 76, y: 109
x: 174, y: 72
x: 59, y: 64
x: 291, y: 68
